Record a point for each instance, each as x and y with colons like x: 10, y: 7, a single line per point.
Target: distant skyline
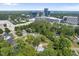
x: 39, y: 6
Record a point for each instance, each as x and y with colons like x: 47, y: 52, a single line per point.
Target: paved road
x: 23, y: 24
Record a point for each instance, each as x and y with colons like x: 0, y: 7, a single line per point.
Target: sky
x: 39, y: 6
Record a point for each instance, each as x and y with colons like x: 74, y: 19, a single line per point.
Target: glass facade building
x: 46, y: 12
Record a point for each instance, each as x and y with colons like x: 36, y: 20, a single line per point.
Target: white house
x: 39, y: 48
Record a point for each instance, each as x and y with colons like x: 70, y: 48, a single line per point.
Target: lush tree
x: 18, y: 28
x: 40, y: 26
x: 7, y: 30
x: 1, y: 31
x: 3, y: 16
x: 56, y: 43
x: 5, y: 48
x: 40, y: 39
x: 67, y: 30
x: 30, y: 39
x: 36, y: 42
x: 7, y: 51
x: 62, y: 28
x: 36, y: 39
x: 24, y: 49
x: 77, y: 30
x: 64, y: 43
x: 19, y: 33
x: 61, y: 45
x: 29, y: 30
x: 67, y: 52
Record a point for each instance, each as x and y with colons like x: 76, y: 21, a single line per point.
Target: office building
x: 71, y: 20
x: 34, y: 14
x: 49, y: 19
x: 46, y: 12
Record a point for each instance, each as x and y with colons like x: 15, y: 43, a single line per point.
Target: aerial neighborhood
x: 39, y: 33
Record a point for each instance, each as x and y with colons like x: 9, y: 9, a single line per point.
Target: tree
x: 40, y: 39
x: 1, y: 31
x: 56, y: 43
x: 77, y: 30
x: 43, y: 27
x: 30, y: 39
x: 61, y: 28
x: 7, y: 30
x: 24, y: 49
x: 5, y: 48
x: 67, y: 30
x: 61, y: 45
x: 6, y: 51
x: 40, y: 26
x: 19, y: 33
x: 29, y: 30
x: 36, y: 41
x: 64, y: 42
x: 67, y: 52
x: 18, y: 28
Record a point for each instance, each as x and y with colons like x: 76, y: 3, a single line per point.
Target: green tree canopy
x: 1, y: 31
x: 7, y: 30
x: 77, y: 30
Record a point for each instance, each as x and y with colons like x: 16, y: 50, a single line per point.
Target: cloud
x: 25, y: 6
x: 9, y: 4
x: 66, y: 8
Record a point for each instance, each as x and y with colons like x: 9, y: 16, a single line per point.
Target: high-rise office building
x: 45, y: 11
x: 33, y: 13
x: 48, y: 13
